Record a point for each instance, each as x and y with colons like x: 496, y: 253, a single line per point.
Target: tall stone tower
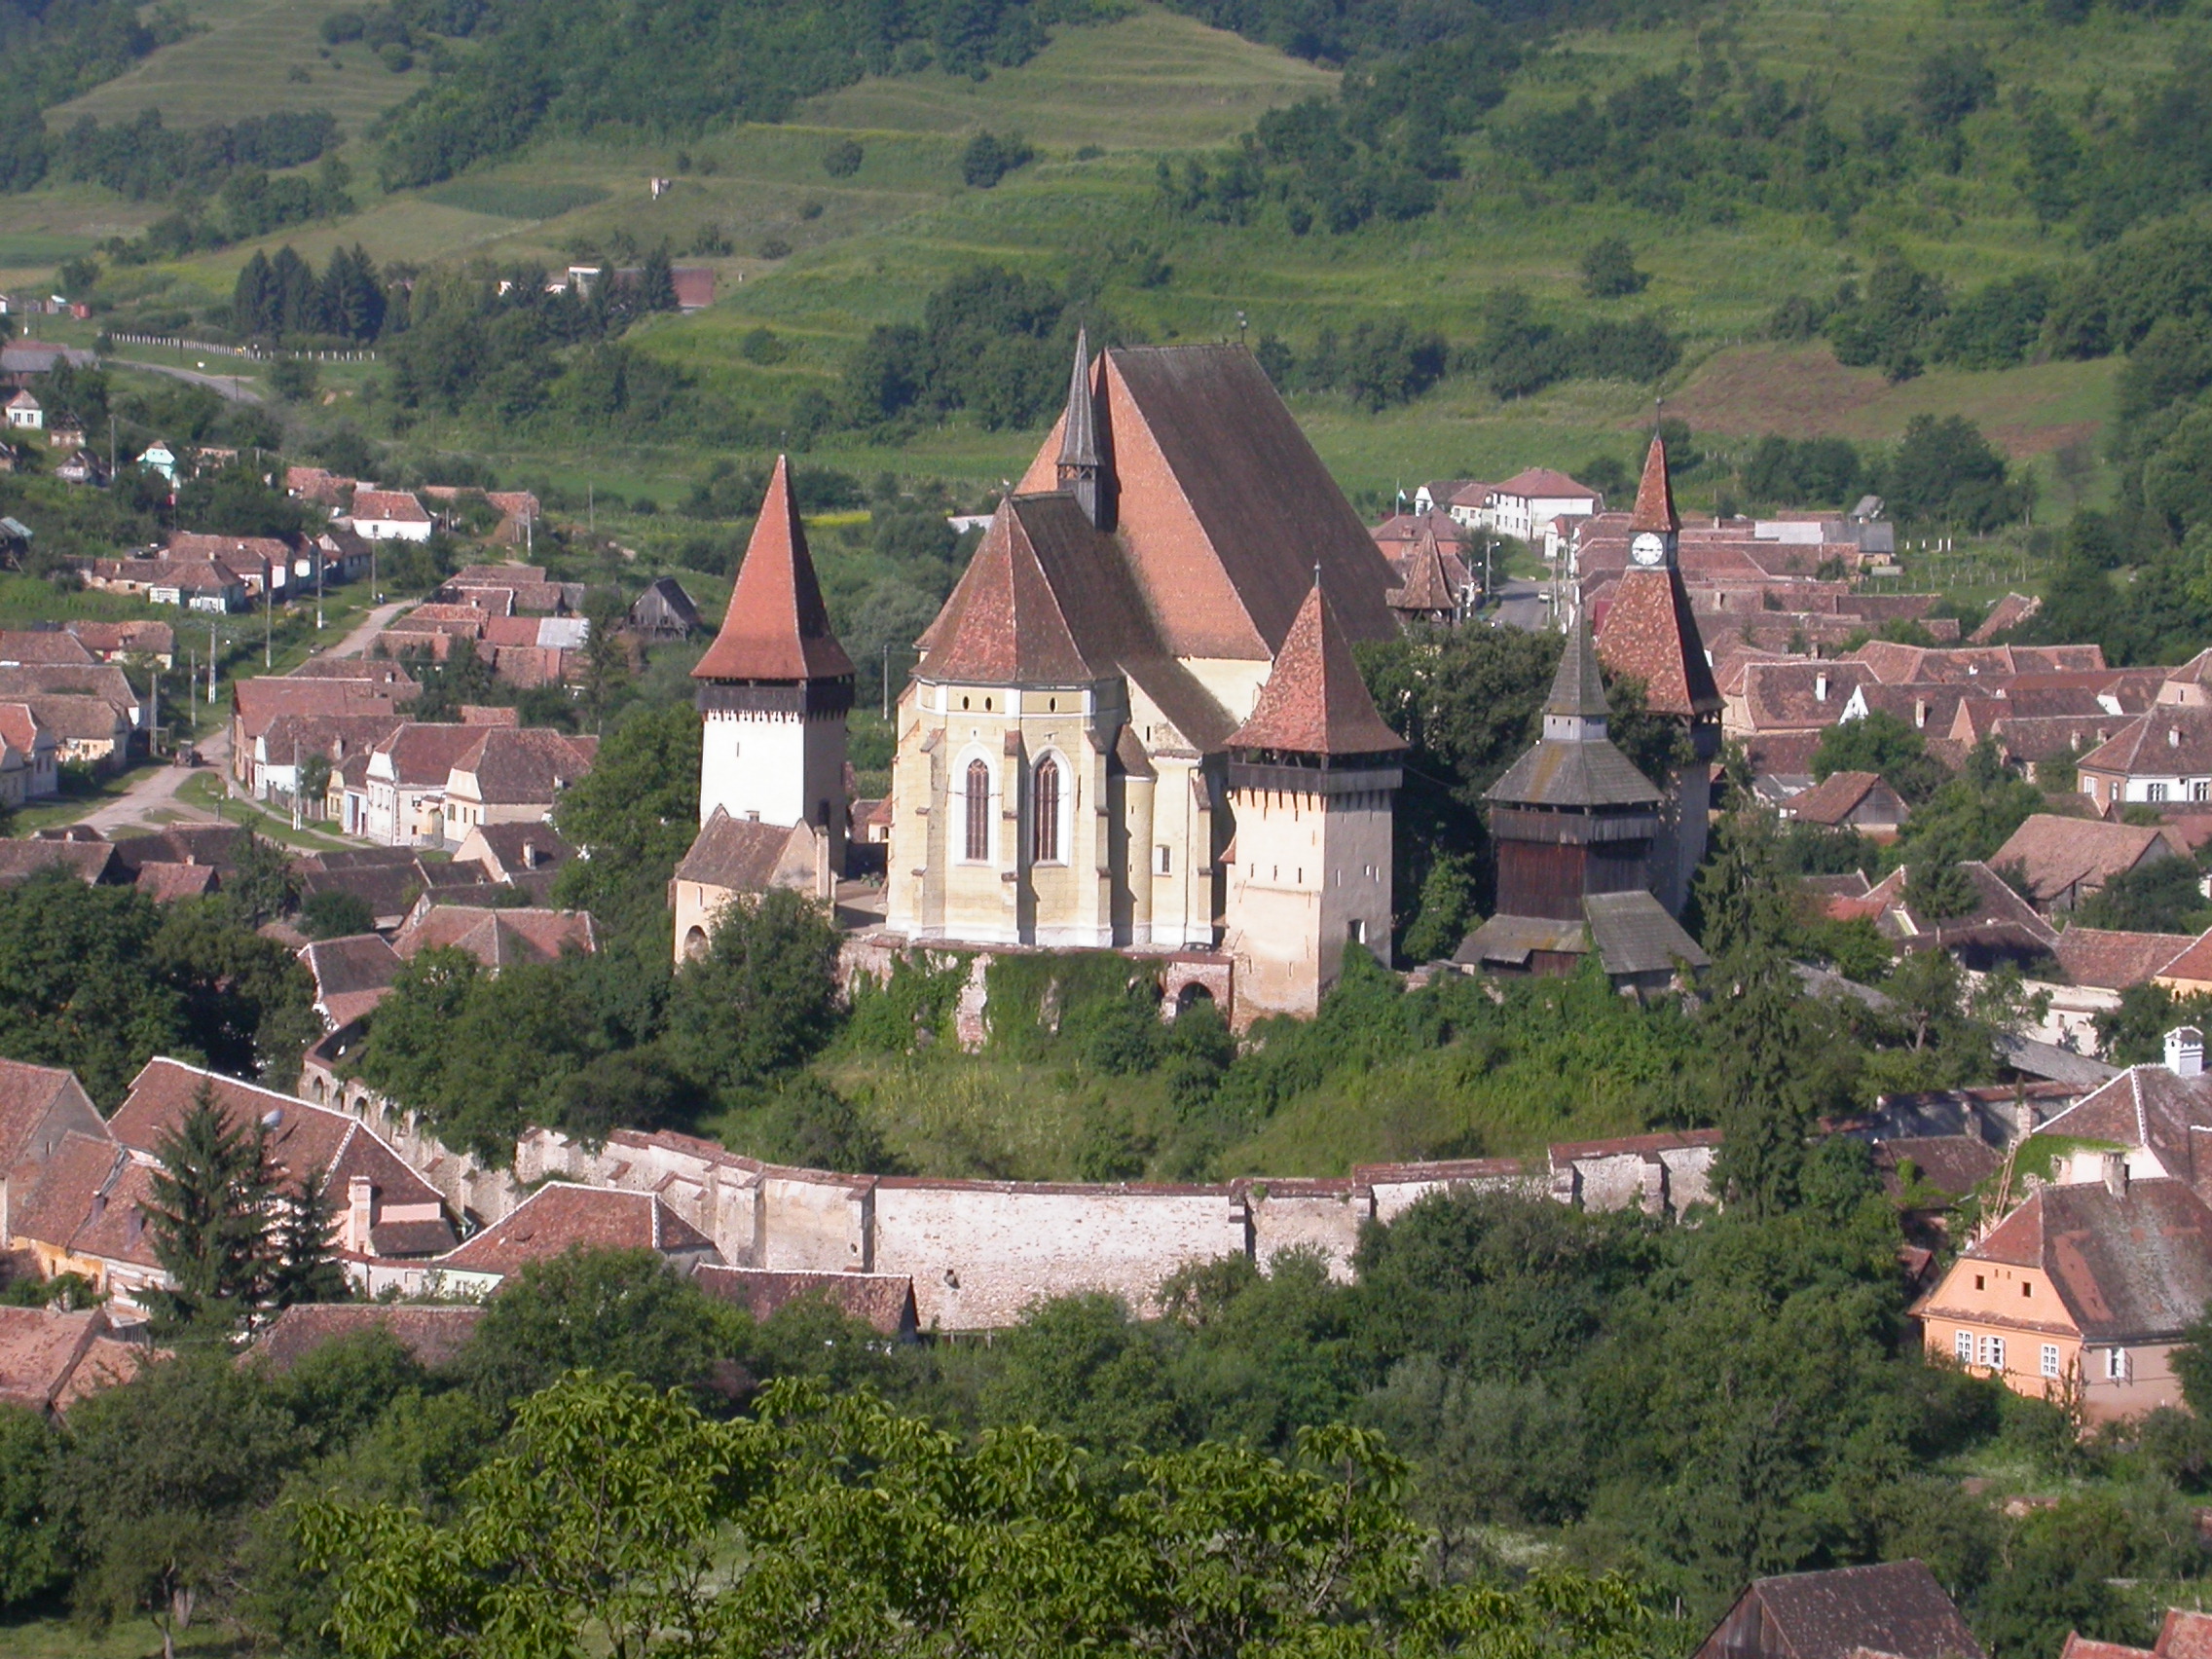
x: 1650, y: 635
x: 1311, y: 776
x: 775, y: 687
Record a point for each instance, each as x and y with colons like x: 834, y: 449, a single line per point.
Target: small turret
x: 1082, y: 466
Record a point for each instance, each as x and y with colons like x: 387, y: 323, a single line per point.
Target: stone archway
x: 696, y: 944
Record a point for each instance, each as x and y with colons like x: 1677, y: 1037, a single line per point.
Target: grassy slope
x: 1157, y: 84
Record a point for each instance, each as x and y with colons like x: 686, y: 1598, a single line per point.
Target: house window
x: 2049, y: 1364
x: 2202, y: 789
x: 978, y: 811
x: 1962, y: 1347
x: 2154, y: 793
x: 1162, y: 860
x: 1046, y: 843
x: 1356, y: 931
x: 1991, y: 1353
x: 2116, y: 1368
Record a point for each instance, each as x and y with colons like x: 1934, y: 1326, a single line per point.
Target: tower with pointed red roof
x: 1311, y: 777
x: 775, y: 687
x: 1650, y: 635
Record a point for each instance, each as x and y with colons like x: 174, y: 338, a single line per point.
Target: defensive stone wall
x: 979, y: 1252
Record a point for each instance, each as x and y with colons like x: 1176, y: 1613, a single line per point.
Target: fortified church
x: 1136, y: 724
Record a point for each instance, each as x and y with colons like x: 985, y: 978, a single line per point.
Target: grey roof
x: 1577, y: 688
x: 1511, y: 940
x: 1634, y: 934
x: 1556, y: 772
x: 2050, y: 1060
x: 1079, y: 438
x: 1895, y: 1607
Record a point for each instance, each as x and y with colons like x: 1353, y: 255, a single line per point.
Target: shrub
x: 842, y: 158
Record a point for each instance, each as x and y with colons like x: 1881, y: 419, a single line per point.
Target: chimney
x: 2115, y: 1173
x: 360, y: 1214
x: 2185, y: 1052
x: 1919, y: 712
x: 1820, y: 687
x: 2173, y: 737
x: 530, y: 855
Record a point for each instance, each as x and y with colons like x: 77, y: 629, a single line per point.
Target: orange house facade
x: 2080, y: 1295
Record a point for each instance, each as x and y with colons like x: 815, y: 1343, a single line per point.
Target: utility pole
x: 591, y: 512
x: 295, y: 783
x: 318, y: 587
x: 211, y: 668
x: 887, y: 679
x: 267, y: 625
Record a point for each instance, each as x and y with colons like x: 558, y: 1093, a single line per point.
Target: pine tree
x: 292, y: 293
x: 301, y: 1267
x: 250, y: 298
x: 363, y: 314
x: 656, y: 283
x: 209, y: 1215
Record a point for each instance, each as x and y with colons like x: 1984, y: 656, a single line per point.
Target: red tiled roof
x: 1895, y: 1609
x: 524, y: 767
x: 434, y: 1336
x: 423, y: 755
x: 41, y: 1348
x: 41, y: 645
x: 1426, y: 585
x: 742, y: 855
x: 559, y: 1218
x: 2169, y: 740
x: 1650, y: 635
x: 1222, y: 507
x: 1834, y: 799
x: 1012, y: 619
x: 1314, y: 701
x: 1655, y: 493
x: 163, y: 882
x: 2132, y: 1266
x: 27, y: 1095
x: 884, y: 1300
x: 390, y: 507
x: 497, y: 938
x: 2078, y: 855
x: 2111, y: 960
x: 776, y: 626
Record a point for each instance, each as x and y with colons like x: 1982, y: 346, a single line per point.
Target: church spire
x: 775, y: 626
x: 1655, y: 493
x: 1577, y: 708
x: 1082, y: 465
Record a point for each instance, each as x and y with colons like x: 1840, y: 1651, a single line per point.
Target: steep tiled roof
x: 884, y: 1300
x: 1221, y: 503
x: 1533, y: 482
x: 90, y: 862
x: 2132, y: 1266
x: 1951, y: 1164
x: 524, y: 767
x: 776, y: 626
x: 393, y: 506
x: 1834, y: 799
x: 2005, y: 615
x: 746, y: 856
x: 434, y: 1336
x: 521, y: 849
x: 2111, y: 960
x: 1012, y: 619
x: 302, y: 1136
x: 52, y: 1198
x: 41, y: 1348
x: 351, y: 975
x: 258, y: 701
x: 2077, y: 855
x: 1650, y: 635
x: 497, y: 938
x: 1314, y: 701
x: 1655, y: 493
x: 164, y: 883
x: 559, y: 1218
x: 2150, y: 1107
x: 1426, y: 584
x: 27, y: 1095
x: 1632, y: 934
x: 41, y: 645
x: 1895, y: 1609
x: 423, y: 755
x: 2170, y: 739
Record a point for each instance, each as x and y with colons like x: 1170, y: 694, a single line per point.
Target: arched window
x: 1046, y: 848
x: 979, y: 810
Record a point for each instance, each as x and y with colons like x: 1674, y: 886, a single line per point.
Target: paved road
x: 1521, y: 605
x: 155, y: 791
x: 368, y: 628
x: 222, y: 385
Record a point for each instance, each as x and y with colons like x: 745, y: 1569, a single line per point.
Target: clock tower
x: 1650, y: 635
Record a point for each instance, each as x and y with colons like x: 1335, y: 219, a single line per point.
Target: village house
x: 739, y: 858
x: 664, y: 612
x: 52, y: 1357
x: 31, y: 757
x: 1850, y: 801
x: 1895, y: 1610
x: 38, y: 1106
x: 2081, y: 1294
x: 390, y: 515
x: 1534, y: 505
x: 351, y: 975
x: 495, y: 937
x: 314, y: 690
x: 42, y: 647
x: 511, y: 775
x: 527, y: 855
x: 2164, y: 754
x: 552, y: 1221
x: 25, y: 414
x: 82, y: 468
x: 290, y: 741
x: 162, y: 457
x: 2059, y: 862
x: 2097, y: 965
x: 2184, y: 1634
x: 433, y: 1336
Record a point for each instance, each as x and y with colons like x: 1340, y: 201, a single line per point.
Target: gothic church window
x: 979, y: 810
x: 1048, y: 816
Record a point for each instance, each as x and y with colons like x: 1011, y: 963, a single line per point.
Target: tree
x: 261, y: 886
x: 301, y: 1266
x: 32, y: 1549
x: 332, y: 914
x: 656, y: 283
x: 156, y: 1483
x: 763, y: 1000
x: 79, y: 987
x: 1609, y: 271
x: 2159, y: 897
x: 604, y: 1310
x: 635, y: 813
x: 1882, y: 744
x: 209, y: 1217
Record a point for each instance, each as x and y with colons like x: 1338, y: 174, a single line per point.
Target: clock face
x: 1647, y: 549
